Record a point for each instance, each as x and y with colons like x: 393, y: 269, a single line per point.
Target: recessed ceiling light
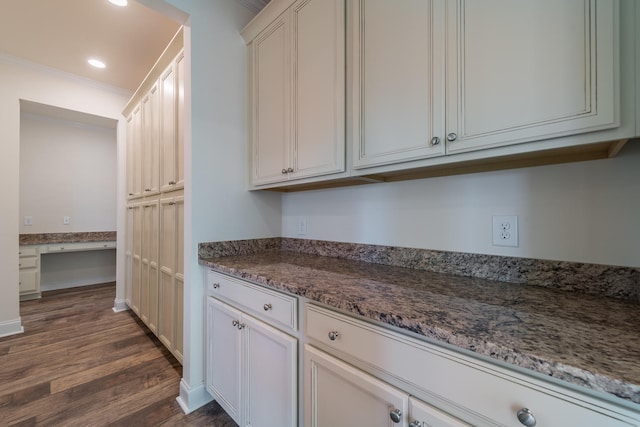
x: 119, y: 2
x: 96, y: 63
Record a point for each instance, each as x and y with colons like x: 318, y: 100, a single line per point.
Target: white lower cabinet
x: 337, y: 394
x: 29, y: 272
x: 251, y: 367
x: 467, y: 388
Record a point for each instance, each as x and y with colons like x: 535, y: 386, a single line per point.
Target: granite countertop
x: 588, y: 340
x: 72, y: 237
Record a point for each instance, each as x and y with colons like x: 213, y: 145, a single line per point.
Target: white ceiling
x: 63, y: 34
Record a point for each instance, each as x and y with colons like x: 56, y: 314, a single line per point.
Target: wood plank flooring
x: 80, y: 364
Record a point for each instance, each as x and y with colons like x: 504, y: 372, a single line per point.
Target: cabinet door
x: 270, y: 109
x: 424, y: 415
x: 166, y: 328
x: 528, y: 70
x: 136, y: 259
x: 398, y: 81
x: 149, y: 280
x: 150, y: 143
x: 168, y: 129
x: 178, y: 348
x: 180, y: 120
x: 318, y: 87
x: 28, y: 280
x: 129, y: 256
x: 134, y: 154
x: 223, y: 356
x: 337, y: 394
x: 171, y: 282
x: 271, y: 376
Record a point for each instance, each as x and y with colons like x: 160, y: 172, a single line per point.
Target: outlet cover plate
x: 505, y: 230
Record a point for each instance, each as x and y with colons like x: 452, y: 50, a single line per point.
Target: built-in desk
x: 33, y: 247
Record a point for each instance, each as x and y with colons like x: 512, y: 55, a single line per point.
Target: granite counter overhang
x: 586, y: 340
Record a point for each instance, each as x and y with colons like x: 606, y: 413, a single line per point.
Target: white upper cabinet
x: 398, y: 80
x: 150, y: 145
x: 528, y: 70
x: 171, y: 125
x: 297, y: 77
x: 433, y: 78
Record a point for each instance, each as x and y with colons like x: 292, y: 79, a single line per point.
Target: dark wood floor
x: 80, y: 364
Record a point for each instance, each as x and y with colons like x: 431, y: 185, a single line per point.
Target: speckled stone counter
x: 587, y: 340
x: 79, y: 237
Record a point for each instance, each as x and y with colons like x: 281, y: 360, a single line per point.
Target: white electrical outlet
x: 28, y: 220
x: 505, y: 230
x: 302, y: 226
x: 66, y: 220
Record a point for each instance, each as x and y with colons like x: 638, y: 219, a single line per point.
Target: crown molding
x: 254, y: 5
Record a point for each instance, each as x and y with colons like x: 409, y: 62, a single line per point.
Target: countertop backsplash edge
x: 594, y: 279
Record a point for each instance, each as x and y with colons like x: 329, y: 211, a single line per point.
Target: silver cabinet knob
x: 415, y: 423
x: 396, y: 415
x: 267, y: 307
x: 147, y: 189
x: 435, y: 141
x: 235, y: 323
x: 290, y: 170
x: 215, y: 285
x: 284, y: 171
x: 452, y: 137
x: 526, y: 418
x: 333, y: 335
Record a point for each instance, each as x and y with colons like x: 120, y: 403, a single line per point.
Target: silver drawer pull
x: 267, y: 307
x: 396, y: 415
x: 333, y: 335
x: 415, y: 423
x: 215, y: 285
x: 526, y: 418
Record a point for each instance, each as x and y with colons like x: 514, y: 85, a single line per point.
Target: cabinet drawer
x: 83, y: 246
x: 28, y: 281
x: 28, y: 251
x: 271, y: 306
x: 27, y: 262
x: 487, y: 394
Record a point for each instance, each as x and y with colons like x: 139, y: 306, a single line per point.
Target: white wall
x: 217, y: 204
x: 21, y: 81
x: 584, y: 212
x: 67, y: 169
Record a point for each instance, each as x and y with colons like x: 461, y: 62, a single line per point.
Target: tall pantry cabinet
x: 154, y: 266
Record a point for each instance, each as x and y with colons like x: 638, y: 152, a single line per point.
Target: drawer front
x: 27, y: 262
x: 28, y: 281
x: 28, y: 251
x: 271, y: 306
x: 84, y: 246
x: 488, y: 394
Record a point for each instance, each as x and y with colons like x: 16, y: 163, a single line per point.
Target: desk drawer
x: 28, y: 251
x: 276, y: 308
x: 79, y: 246
x: 27, y: 262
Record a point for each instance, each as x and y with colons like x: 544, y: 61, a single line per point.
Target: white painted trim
x: 11, y: 327
x: 119, y: 305
x: 9, y: 59
x: 191, y: 399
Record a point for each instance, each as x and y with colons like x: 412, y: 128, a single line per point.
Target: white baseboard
x: 191, y: 399
x: 11, y: 327
x: 119, y: 305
